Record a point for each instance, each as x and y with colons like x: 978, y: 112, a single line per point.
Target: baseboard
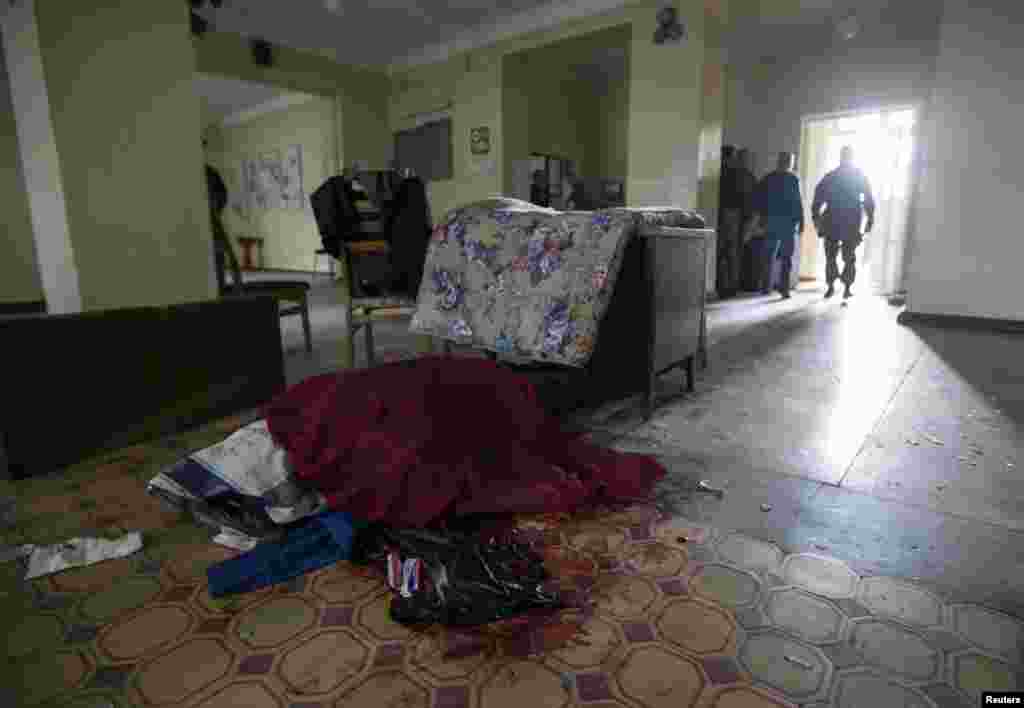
x: 33, y: 307
x: 983, y: 324
x: 293, y: 271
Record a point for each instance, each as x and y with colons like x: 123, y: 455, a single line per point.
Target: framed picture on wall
x: 480, y: 140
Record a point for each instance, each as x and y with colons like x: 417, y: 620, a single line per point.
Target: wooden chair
x: 292, y: 295
x: 363, y: 312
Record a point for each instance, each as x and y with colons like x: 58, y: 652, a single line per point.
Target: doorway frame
x: 919, y: 110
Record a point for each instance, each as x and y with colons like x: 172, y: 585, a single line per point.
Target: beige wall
x: 890, y: 62
x: 361, y: 94
x: 290, y: 236
x: 664, y: 107
x: 966, y: 251
x: 612, y: 128
x: 19, y: 272
x: 127, y: 135
x: 472, y: 84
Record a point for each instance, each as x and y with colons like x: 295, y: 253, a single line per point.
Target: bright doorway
x: 883, y: 146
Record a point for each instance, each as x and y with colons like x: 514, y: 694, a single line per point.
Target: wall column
x: 37, y: 151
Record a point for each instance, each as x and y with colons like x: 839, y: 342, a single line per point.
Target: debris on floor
x: 932, y: 439
x: 79, y: 552
x: 707, y: 487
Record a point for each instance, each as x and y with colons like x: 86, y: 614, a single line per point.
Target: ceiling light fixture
x: 848, y: 27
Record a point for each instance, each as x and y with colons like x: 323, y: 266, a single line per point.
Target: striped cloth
x: 242, y: 486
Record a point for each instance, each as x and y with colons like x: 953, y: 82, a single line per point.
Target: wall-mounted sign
x: 480, y: 140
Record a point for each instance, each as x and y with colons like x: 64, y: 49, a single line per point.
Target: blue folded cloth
x: 315, y: 543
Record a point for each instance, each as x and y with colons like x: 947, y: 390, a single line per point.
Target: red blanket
x: 410, y: 442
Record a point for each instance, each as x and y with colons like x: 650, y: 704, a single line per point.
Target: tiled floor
x: 866, y: 551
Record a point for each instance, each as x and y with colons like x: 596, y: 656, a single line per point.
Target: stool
x: 316, y: 261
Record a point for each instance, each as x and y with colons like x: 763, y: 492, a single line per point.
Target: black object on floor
x: 468, y: 581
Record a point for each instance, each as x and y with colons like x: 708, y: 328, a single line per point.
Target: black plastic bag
x: 466, y: 582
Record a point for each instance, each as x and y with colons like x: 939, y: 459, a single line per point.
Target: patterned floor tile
x: 945, y: 697
x: 594, y: 687
x: 805, y: 615
x: 659, y: 679
x: 324, y: 662
x: 821, y: 575
x: 895, y: 648
x: 523, y: 683
x: 798, y: 670
x: 452, y: 697
x: 750, y: 553
x: 451, y: 658
x: 276, y: 621
x: 129, y: 594
x: 624, y: 596
x: 900, y: 600
x: 724, y: 584
x: 992, y: 631
x: 250, y: 695
x: 861, y: 689
x: 185, y: 670
x: 374, y: 618
x: 655, y: 560
x: 143, y: 633
x: 697, y: 626
x: 596, y: 641
x: 742, y: 697
x: 722, y: 669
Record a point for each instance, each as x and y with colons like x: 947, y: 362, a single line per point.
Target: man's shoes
x: 785, y: 294
x: 830, y: 292
x: 847, y: 293
x: 766, y: 291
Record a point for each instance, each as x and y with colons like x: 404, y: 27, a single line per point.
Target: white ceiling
x: 224, y: 97
x: 381, y: 32
x: 399, y: 32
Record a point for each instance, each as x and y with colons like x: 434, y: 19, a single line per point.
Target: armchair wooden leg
x: 306, y: 329
x: 652, y: 381
x: 370, y: 358
x: 691, y: 373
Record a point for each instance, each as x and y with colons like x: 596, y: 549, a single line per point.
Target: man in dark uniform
x: 737, y: 186
x: 846, y: 196
x: 777, y: 202
x: 217, y: 194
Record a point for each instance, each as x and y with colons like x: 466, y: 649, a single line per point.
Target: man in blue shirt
x: 846, y: 196
x: 777, y: 202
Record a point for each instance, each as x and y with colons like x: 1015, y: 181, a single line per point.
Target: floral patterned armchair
x: 534, y: 285
x: 521, y: 281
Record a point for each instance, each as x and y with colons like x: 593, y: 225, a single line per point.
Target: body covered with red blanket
x: 410, y: 442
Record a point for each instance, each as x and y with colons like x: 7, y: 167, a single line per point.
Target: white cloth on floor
x: 79, y: 552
